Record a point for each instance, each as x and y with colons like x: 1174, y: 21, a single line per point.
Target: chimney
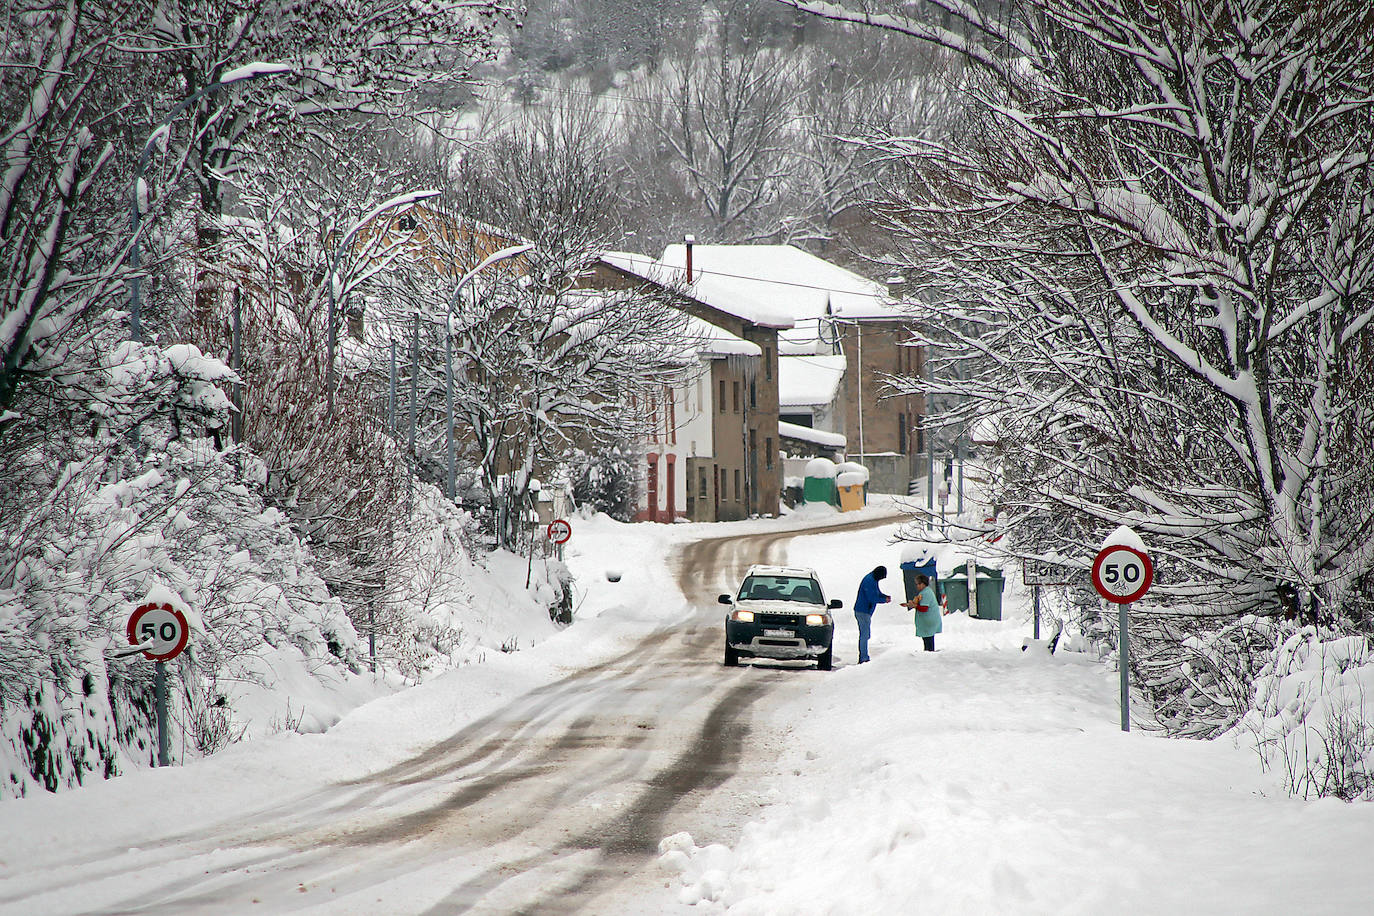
x: 690, y: 240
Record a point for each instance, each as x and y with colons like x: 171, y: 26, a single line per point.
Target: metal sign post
x: 971, y: 573
x: 1123, y: 651
x: 1036, y: 573
x: 161, y: 632
x: 1122, y: 573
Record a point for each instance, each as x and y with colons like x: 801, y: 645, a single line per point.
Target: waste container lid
x: 984, y: 572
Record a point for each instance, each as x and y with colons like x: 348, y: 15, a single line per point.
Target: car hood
x: 771, y: 606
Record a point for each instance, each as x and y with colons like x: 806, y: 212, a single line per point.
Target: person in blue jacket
x: 870, y: 596
x: 927, y: 608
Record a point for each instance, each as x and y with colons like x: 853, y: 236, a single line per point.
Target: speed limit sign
x: 161, y: 629
x: 1122, y: 574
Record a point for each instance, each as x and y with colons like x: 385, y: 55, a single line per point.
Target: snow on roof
x: 708, y: 290
x: 789, y: 280
x: 711, y: 341
x: 814, y: 436
x: 807, y: 381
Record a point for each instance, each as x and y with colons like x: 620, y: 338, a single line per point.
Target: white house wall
x: 688, y: 437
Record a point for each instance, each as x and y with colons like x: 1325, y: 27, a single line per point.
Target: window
x: 736, y: 391
x: 739, y: 493
x: 722, y: 395
x: 901, y: 434
x: 768, y: 452
x: 753, y: 395
x: 721, y: 491
x: 768, y: 363
x: 701, y: 478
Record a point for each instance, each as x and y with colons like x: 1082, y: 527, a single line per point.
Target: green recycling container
x: 989, y: 582
x: 820, y: 490
x: 956, y: 590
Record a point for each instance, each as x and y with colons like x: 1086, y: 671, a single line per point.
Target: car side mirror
x: 835, y: 604
x: 725, y: 599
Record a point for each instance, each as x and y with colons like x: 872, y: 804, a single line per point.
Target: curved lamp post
x: 490, y: 259
x: 231, y: 78
x: 398, y: 201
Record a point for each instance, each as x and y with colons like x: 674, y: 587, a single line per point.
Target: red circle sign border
x: 563, y: 528
x: 1145, y: 583
x: 176, y: 650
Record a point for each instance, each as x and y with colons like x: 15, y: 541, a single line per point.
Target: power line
x: 823, y: 289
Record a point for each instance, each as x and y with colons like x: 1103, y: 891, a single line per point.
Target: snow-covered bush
x: 112, y: 492
x: 1312, y: 715
x: 1199, y: 678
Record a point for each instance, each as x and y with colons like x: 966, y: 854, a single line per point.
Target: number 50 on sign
x: 1122, y: 574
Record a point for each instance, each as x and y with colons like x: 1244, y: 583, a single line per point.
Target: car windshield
x: 780, y: 588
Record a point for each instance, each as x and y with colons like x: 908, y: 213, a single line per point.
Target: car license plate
x: 778, y: 633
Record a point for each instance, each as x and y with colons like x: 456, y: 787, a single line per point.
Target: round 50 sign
x: 162, y: 628
x: 1122, y: 574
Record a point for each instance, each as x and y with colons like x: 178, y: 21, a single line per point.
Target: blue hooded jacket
x: 870, y: 596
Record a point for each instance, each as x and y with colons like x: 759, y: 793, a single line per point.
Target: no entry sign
x: 162, y: 627
x: 559, y: 531
x: 1122, y: 574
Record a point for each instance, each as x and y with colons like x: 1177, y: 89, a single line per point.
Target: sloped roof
x: 807, y: 434
x: 787, y: 279
x: 809, y: 381
x: 708, y: 290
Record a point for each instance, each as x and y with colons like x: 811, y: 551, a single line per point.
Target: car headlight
x: 743, y: 616
x: 817, y: 620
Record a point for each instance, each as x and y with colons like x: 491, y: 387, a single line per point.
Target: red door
x: 670, y: 512
x: 653, y: 488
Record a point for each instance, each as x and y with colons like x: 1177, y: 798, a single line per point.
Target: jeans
x: 929, y: 643
x: 865, y: 625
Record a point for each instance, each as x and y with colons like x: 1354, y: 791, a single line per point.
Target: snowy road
x: 554, y: 802
x: 978, y: 780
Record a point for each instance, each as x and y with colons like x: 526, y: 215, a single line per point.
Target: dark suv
x: 779, y: 612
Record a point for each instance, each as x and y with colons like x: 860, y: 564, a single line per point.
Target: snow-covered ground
x: 977, y: 779
x: 984, y: 779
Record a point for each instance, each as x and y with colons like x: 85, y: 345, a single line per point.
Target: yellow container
x: 851, y: 498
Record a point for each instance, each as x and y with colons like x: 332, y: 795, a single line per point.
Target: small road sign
x: 1042, y: 572
x: 162, y: 628
x: 560, y: 530
x: 1122, y: 574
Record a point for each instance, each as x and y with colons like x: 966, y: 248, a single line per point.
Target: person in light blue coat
x: 928, y: 612
x: 870, y: 596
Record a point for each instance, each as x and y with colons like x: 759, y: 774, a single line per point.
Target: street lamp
x: 490, y: 259
x: 231, y: 78
x: 398, y: 201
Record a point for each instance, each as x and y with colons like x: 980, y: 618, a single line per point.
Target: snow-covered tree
x: 56, y: 61
x: 540, y: 365
x: 1156, y: 221
x: 722, y: 116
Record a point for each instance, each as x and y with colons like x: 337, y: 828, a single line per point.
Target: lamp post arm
x: 399, y: 200
x: 490, y: 259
